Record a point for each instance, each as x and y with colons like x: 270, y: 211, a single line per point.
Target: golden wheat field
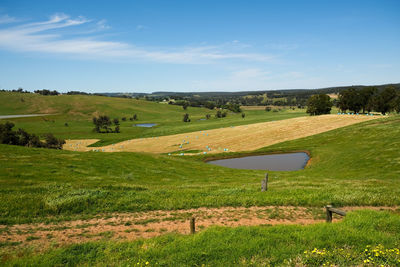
x: 231, y: 139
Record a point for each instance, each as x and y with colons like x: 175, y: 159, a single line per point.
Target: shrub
x: 186, y: 118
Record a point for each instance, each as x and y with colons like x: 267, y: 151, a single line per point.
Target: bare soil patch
x: 131, y: 226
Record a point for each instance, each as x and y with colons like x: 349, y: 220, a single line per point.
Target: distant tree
x: 209, y: 105
x: 385, y: 101
x: 218, y: 114
x: 208, y: 116
x: 46, y: 92
x: 102, y: 124
x: 135, y: 117
x: 350, y: 99
x: 123, y: 119
x: 66, y: 124
x: 319, y: 104
x: 52, y: 142
x: 185, y: 105
x: 224, y: 114
x: 117, y: 130
x: 186, y: 118
x: 365, y: 96
x: 267, y: 108
x: 243, y: 115
x: 116, y: 121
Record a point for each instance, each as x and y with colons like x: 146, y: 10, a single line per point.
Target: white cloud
x: 7, y: 19
x: 47, y: 37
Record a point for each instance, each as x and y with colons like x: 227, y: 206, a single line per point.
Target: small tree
x: 123, y: 119
x: 267, y: 109
x: 319, y: 104
x: 102, y: 124
x: 243, y: 115
x: 135, y: 117
x: 208, y: 116
x: 186, y: 118
x: 185, y: 105
x: 116, y: 121
x: 218, y: 114
x: 52, y: 142
x: 117, y: 129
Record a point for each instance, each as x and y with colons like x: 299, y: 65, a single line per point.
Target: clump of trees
x: 186, y: 118
x: 46, y: 92
x: 220, y: 114
x: 319, y: 104
x: 22, y: 138
x: 103, y: 124
x: 369, y: 99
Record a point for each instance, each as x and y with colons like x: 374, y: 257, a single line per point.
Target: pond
x: 274, y: 162
x: 148, y: 125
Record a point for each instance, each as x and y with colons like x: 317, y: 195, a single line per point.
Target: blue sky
x: 146, y: 46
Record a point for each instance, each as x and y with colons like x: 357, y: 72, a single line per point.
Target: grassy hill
x: 77, y: 111
x: 38, y: 183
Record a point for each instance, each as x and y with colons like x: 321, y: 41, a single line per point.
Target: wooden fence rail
x: 330, y: 210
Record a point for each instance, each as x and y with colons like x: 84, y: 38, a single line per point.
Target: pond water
x: 148, y: 125
x: 274, y: 162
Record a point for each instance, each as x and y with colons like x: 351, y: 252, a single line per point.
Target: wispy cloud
x: 141, y: 27
x: 47, y: 37
x: 7, y: 19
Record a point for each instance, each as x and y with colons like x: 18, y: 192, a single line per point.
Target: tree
x: 102, y: 124
x: 319, y: 104
x: 267, y: 108
x: 186, y: 118
x: 218, y: 114
x: 116, y: 122
x: 52, y: 142
x: 365, y: 95
x: 385, y: 101
x: 350, y: 99
x: 123, y: 119
x: 135, y: 117
x: 208, y: 116
x: 185, y: 105
x: 243, y: 115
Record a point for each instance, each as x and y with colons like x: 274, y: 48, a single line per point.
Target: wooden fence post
x: 264, y: 183
x: 328, y: 214
x: 192, y: 225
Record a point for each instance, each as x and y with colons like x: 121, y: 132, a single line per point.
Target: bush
x: 186, y: 118
x: 268, y: 109
x: 23, y: 138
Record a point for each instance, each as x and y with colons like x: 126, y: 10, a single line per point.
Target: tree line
x: 20, y: 137
x: 366, y: 99
x: 369, y: 99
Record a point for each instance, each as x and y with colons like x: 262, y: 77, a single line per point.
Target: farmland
x: 95, y: 208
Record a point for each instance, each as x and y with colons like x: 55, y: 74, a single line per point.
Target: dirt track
x: 131, y: 226
x: 232, y: 139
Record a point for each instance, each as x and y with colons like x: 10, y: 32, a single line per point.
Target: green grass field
x: 78, y: 111
x: 358, y: 165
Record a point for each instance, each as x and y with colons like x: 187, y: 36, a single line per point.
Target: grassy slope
x: 242, y: 246
x: 78, y: 110
x: 356, y: 165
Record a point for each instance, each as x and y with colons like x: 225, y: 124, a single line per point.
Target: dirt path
x: 231, y: 139
x: 131, y: 226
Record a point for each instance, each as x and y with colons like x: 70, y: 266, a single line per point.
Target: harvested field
x: 231, y: 139
x: 131, y: 226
